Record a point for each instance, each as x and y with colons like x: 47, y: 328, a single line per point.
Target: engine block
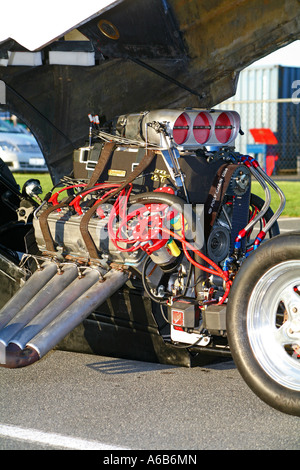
x: 65, y: 229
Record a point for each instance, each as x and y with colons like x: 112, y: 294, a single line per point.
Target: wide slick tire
x: 263, y: 322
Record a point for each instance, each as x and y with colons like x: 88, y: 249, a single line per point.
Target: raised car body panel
x: 147, y: 55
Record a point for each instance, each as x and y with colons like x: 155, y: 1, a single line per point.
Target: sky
x: 288, y: 56
x: 38, y: 23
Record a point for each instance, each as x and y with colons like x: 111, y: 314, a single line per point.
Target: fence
x: 282, y: 117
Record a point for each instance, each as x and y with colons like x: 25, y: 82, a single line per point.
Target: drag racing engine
x: 164, y: 197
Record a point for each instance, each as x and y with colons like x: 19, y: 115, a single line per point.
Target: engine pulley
x: 218, y: 243
x: 240, y: 181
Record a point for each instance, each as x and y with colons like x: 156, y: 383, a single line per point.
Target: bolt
x: 294, y: 310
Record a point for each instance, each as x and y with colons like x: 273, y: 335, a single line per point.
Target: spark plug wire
x: 76, y: 201
x: 147, y: 218
x: 54, y: 198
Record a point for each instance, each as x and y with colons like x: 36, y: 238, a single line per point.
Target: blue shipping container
x: 258, y: 100
x: 288, y: 116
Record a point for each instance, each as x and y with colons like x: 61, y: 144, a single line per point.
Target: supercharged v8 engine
x: 159, y: 202
x: 163, y: 197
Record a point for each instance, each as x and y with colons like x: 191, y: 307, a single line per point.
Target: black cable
x: 146, y: 287
x: 165, y: 76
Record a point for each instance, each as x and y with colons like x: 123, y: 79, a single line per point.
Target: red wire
x: 55, y: 195
x: 114, y: 213
x: 185, y: 244
x: 218, y: 271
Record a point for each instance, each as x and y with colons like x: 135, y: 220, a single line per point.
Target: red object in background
x: 266, y: 136
x: 263, y: 136
x: 271, y: 161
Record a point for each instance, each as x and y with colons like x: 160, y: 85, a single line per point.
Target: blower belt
x: 105, y: 156
x: 216, y: 195
x: 89, y: 242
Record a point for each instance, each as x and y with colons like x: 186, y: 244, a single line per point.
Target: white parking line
x: 282, y: 218
x: 53, y: 439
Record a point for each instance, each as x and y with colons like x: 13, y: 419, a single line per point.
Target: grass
x: 291, y: 190
x: 44, y: 179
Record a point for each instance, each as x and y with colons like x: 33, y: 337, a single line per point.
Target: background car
x: 19, y: 149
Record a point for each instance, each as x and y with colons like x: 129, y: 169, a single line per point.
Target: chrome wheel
x: 273, y: 323
x: 263, y: 322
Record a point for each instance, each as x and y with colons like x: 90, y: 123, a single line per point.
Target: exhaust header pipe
x: 34, y: 284
x: 34, y: 333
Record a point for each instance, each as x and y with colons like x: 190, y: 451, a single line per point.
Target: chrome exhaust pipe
x: 38, y: 302
x: 77, y: 312
x: 57, y: 306
x: 34, y: 284
x: 50, y: 330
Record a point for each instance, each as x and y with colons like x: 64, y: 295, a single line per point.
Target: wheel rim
x: 273, y: 323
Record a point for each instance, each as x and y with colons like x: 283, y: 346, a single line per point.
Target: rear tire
x: 263, y: 322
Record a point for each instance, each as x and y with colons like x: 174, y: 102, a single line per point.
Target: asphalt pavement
x: 289, y: 224
x: 77, y: 401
